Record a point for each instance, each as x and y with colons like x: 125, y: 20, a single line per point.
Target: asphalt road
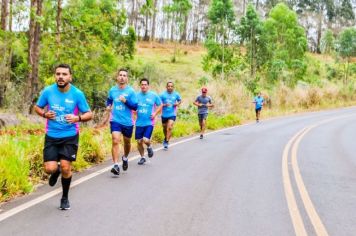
x: 292, y: 175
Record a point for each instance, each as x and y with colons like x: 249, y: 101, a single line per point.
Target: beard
x: 62, y: 85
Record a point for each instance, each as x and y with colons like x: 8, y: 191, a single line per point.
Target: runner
x: 203, y: 102
x: 149, y: 105
x: 259, y: 102
x: 121, y: 102
x: 60, y: 104
x: 171, y: 100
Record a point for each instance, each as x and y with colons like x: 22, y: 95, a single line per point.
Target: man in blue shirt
x: 171, y: 100
x: 203, y: 102
x: 121, y: 103
x: 149, y: 105
x: 60, y: 104
x: 259, y: 101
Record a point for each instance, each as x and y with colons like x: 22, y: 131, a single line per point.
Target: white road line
x: 48, y: 195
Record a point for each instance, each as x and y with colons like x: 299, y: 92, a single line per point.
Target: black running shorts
x: 60, y: 148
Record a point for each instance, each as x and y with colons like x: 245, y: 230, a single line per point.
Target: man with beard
x: 121, y: 102
x: 60, y: 104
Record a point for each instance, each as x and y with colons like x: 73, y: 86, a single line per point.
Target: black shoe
x: 115, y: 170
x: 54, y: 177
x: 165, y: 145
x: 141, y: 161
x: 149, y: 152
x: 201, y: 136
x: 125, y: 163
x: 64, y: 204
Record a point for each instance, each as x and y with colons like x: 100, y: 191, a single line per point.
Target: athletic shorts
x: 60, y: 148
x: 125, y: 130
x: 202, y: 116
x: 258, y: 109
x: 165, y: 119
x: 143, y: 131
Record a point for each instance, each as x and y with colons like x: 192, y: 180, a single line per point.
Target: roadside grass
x: 21, y: 158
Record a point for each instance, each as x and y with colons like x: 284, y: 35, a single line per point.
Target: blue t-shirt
x: 122, y: 112
x: 169, y: 98
x: 258, y: 102
x: 147, y: 103
x: 70, y: 102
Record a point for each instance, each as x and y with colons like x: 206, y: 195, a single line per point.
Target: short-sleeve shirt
x: 258, y: 102
x: 203, y: 100
x: 147, y: 103
x: 120, y: 112
x: 62, y: 103
x: 171, y: 99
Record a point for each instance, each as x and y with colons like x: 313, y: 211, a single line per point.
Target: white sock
x: 124, y: 158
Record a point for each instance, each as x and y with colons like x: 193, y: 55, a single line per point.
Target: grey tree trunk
x: 184, y: 33
x: 58, y: 28
x: 34, y: 35
x: 153, y: 26
x: 4, y: 13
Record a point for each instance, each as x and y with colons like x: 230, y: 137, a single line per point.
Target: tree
x: 147, y: 10
x: 177, y: 12
x: 287, y: 43
x: 221, y: 56
x: 153, y: 27
x: 4, y: 14
x: 327, y: 42
x: 250, y: 31
x: 34, y: 35
x: 318, y: 8
x: 347, y: 48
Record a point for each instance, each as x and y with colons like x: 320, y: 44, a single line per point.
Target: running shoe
x: 64, y: 204
x: 165, y: 144
x: 54, y: 177
x: 201, y: 136
x: 150, y: 152
x: 125, y: 163
x: 115, y: 170
x: 142, y: 161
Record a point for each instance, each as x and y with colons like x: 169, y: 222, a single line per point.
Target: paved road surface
x: 294, y: 175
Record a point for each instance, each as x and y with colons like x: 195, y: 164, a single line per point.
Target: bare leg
x: 116, y: 139
x: 169, y: 128
x: 140, y: 148
x: 127, y: 146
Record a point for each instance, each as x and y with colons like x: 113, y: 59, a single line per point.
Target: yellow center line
x: 297, y: 221
x: 308, y: 204
x: 294, y: 212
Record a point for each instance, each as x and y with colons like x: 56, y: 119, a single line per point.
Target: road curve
x: 293, y: 175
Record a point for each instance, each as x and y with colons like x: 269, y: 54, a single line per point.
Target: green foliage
x: 95, y: 28
x: 14, y: 167
x: 250, y: 31
x: 177, y: 10
x: 220, y: 59
x: 347, y: 43
x: 327, y: 42
x: 287, y: 42
x: 221, y: 12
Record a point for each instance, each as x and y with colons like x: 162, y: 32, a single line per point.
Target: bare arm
x: 45, y: 114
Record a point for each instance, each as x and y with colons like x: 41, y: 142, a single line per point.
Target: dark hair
x: 170, y: 82
x: 123, y: 69
x: 63, y: 66
x: 145, y: 79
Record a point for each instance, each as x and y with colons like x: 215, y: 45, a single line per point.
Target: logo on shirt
x: 68, y: 101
